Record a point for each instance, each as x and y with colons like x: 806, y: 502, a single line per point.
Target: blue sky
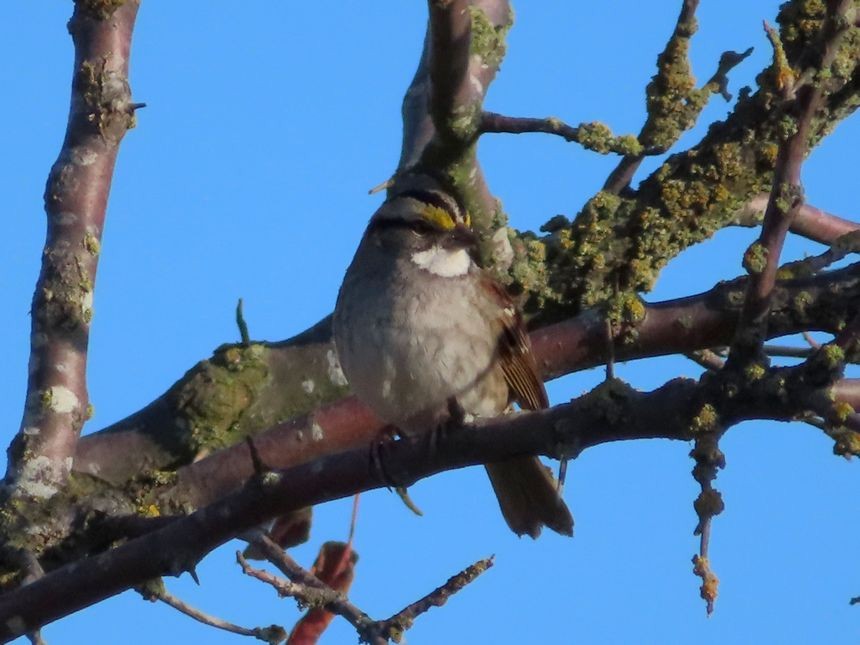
x: 247, y: 177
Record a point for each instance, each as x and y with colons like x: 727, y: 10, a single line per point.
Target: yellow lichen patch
x: 842, y: 410
x: 755, y: 258
x: 488, y: 40
x: 710, y: 583
x: 847, y: 444
x: 755, y: 371
x: 706, y: 420
x: 92, y: 244
x: 782, y: 72
x: 833, y: 356
x: 150, y: 511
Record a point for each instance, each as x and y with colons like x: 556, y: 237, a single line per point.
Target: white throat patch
x: 442, y: 262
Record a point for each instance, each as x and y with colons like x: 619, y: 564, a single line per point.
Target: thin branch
x: 395, y: 626
x: 242, y: 325
x: 303, y: 585
x: 706, y: 358
x: 788, y: 351
x: 591, y: 136
x: 671, y: 62
x: 273, y: 634
x: 76, y: 195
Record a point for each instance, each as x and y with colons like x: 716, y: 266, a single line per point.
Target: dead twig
x: 155, y: 590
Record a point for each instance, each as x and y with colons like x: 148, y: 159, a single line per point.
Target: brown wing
x: 515, y: 354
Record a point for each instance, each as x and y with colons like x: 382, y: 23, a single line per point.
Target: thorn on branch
x: 403, y: 494
x: 192, y: 571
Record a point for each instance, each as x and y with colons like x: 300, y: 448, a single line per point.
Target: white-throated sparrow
x: 422, y: 329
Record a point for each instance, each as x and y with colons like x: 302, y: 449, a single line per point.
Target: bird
x: 424, y: 334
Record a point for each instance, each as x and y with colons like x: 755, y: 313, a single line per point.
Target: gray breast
x: 409, y: 340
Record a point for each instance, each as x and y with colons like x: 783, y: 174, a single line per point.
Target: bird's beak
x: 463, y: 237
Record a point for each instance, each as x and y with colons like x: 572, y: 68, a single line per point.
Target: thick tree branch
x: 56, y: 406
x: 614, y: 412
x: 621, y: 242
x: 463, y: 49
x: 786, y: 196
x: 822, y: 302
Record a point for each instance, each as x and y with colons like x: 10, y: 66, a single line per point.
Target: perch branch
x: 177, y: 547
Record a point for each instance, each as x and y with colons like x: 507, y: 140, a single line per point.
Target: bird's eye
x: 420, y: 227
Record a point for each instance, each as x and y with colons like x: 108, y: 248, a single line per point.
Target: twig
x: 303, y: 580
x: 591, y: 136
x: 685, y: 26
x: 672, y: 102
x: 353, y: 518
x: 335, y: 567
x: 814, y: 344
x: 709, y: 459
x: 395, y: 626
x: 381, y: 186
x: 309, y: 590
x: 840, y: 247
x: 787, y: 351
x: 242, y: 325
x: 610, y: 350
x: 155, y: 590
x: 707, y: 358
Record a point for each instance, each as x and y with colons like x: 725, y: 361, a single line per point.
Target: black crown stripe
x: 434, y: 199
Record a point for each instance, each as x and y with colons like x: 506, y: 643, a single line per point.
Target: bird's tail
x: 528, y: 496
